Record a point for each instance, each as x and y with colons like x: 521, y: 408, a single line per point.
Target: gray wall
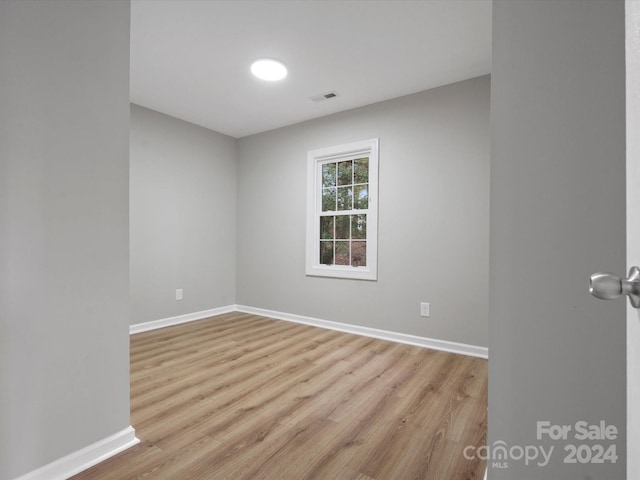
x: 557, y: 215
x: 183, y: 217
x: 433, y: 217
x: 64, y: 235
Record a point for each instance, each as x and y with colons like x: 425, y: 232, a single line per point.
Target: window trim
x: 315, y: 160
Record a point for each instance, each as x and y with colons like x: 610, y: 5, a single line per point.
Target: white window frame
x: 315, y: 160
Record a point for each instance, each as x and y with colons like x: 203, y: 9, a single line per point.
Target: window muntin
x: 342, y: 211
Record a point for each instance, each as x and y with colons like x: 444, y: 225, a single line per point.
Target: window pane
x: 326, y: 253
x: 329, y: 175
x: 342, y: 227
x: 328, y: 199
x: 359, y: 227
x: 359, y: 254
x: 361, y: 197
x: 361, y: 174
x: 345, y: 198
x: 344, y: 173
x: 326, y: 228
x: 342, y: 210
x: 342, y: 253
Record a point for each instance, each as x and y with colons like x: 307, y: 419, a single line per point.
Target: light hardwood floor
x: 240, y: 396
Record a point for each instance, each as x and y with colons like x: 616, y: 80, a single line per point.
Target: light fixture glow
x: 269, y: 69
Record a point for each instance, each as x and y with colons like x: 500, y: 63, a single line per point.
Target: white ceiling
x: 191, y: 58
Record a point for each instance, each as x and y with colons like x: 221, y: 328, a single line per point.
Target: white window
x: 342, y: 211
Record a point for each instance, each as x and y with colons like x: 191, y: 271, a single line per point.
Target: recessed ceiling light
x: 269, y: 69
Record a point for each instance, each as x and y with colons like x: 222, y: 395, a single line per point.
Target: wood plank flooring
x: 240, y: 396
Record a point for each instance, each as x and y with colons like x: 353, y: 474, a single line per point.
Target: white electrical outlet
x: 425, y: 309
x: 179, y: 294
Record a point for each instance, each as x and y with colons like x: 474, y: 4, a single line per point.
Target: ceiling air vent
x: 324, y: 96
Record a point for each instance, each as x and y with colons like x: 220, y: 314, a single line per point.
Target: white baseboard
x: 84, y: 458
x: 444, y: 345
x: 189, y: 317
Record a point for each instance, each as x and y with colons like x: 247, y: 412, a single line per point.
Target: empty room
x: 272, y: 239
